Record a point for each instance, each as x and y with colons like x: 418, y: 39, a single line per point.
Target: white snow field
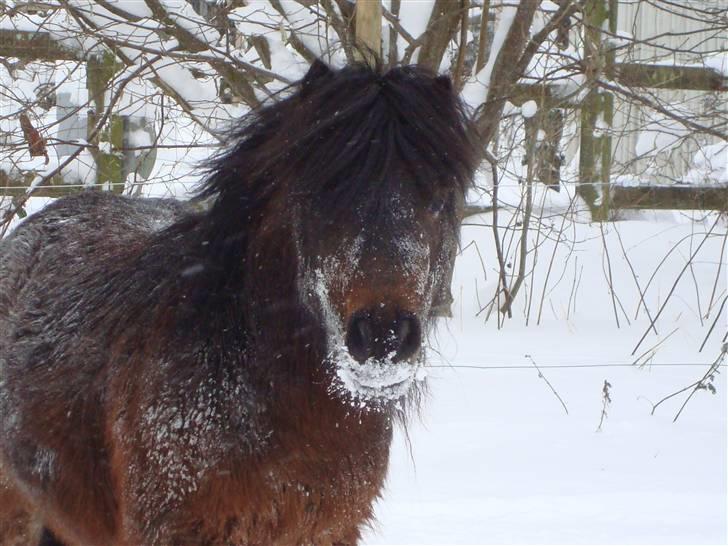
x: 494, y: 458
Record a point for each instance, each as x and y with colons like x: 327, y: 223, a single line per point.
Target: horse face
x: 372, y: 275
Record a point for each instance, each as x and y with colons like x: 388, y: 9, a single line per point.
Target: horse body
x: 181, y: 442
x: 231, y: 376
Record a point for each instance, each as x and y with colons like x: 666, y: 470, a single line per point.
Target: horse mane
x: 335, y: 138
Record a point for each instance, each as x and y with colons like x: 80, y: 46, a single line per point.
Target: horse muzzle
x: 382, y: 335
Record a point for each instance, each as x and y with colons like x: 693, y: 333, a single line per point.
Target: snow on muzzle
x: 380, y: 359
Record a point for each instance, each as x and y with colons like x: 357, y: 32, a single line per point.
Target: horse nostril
x: 360, y: 337
x: 371, y: 336
x: 409, y: 337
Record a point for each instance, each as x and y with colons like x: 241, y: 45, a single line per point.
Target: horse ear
x: 444, y: 82
x: 318, y: 72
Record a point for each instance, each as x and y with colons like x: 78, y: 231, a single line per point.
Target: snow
x: 80, y: 170
x: 195, y: 92
x: 70, y: 79
x: 132, y: 7
x: 58, y: 25
x: 494, y: 457
x: 620, y: 39
x: 375, y: 380
x: 709, y: 165
x: 529, y: 109
x: 285, y: 61
x: 184, y: 16
x: 413, y: 16
x: 718, y: 62
x: 477, y: 88
x: 364, y: 384
x: 256, y: 19
x: 31, y: 206
x: 318, y: 36
x: 659, y: 135
x: 139, y: 138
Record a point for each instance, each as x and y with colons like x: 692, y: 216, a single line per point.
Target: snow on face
x: 373, y: 381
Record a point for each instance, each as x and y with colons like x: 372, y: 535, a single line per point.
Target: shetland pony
x: 172, y: 374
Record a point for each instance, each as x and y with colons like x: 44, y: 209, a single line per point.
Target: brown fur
x: 312, y: 482
x: 18, y: 527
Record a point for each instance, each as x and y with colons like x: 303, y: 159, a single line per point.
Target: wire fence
x: 500, y: 185
x: 567, y: 366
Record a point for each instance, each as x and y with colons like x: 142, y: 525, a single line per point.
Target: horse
x: 229, y: 371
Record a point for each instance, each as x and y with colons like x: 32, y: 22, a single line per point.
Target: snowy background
x: 494, y: 458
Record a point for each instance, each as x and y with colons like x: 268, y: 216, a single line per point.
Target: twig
x: 459, y: 76
x: 662, y: 262
x: 483, y: 36
x: 717, y: 316
x: 393, y: 19
x: 686, y: 122
x: 704, y: 383
x: 636, y: 280
x: 695, y: 282
x: 12, y: 211
x: 606, y: 400
x: 571, y: 293
x: 393, y: 51
x: 649, y: 353
x: 717, y: 275
x: 531, y: 151
x: 674, y: 285
x: 609, y: 271
x: 542, y: 376
x: 553, y: 257
x: 536, y: 246
x: 496, y: 236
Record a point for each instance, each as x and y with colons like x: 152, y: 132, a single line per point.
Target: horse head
x: 358, y: 178
x: 376, y: 217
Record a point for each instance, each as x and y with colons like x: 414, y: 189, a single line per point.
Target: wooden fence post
x: 368, y: 31
x: 109, y: 163
x: 597, y: 112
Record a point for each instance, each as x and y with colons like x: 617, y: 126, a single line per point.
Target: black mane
x: 336, y: 138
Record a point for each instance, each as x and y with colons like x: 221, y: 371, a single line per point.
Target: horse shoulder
x: 54, y: 272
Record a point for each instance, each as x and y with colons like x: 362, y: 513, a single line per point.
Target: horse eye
x: 436, y: 207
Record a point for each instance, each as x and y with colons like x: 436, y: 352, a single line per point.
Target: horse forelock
x: 342, y: 137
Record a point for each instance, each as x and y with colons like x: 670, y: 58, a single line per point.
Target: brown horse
x: 231, y: 376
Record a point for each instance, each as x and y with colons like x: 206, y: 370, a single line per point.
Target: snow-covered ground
x: 494, y: 458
